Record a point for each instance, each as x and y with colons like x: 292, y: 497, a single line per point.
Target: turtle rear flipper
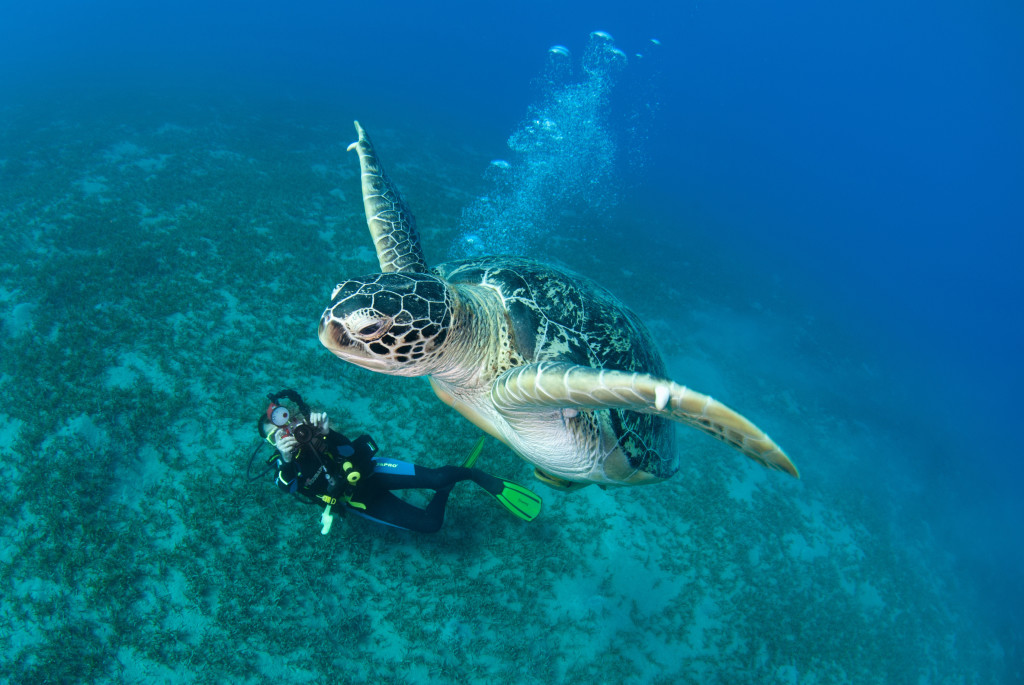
x: 560, y: 384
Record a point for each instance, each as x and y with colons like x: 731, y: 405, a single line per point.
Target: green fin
x: 521, y: 501
x: 471, y: 459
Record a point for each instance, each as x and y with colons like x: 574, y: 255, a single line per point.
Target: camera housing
x: 301, y: 431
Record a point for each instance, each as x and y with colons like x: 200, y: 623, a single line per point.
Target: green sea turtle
x: 545, y: 360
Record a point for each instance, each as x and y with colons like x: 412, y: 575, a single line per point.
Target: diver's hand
x: 287, y: 445
x: 320, y: 422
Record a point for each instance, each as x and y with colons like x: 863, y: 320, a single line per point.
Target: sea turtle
x: 543, y: 359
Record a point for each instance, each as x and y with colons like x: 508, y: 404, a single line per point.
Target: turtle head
x: 391, y: 323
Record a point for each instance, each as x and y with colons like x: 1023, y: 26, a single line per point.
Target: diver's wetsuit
x: 371, y: 497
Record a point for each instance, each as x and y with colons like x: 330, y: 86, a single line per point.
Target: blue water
x: 817, y: 210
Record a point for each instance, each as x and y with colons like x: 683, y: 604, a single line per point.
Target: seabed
x: 165, y: 267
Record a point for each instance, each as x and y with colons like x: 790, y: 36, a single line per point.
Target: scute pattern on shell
x: 559, y: 315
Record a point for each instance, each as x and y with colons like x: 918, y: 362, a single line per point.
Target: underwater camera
x: 296, y: 425
x: 302, y: 432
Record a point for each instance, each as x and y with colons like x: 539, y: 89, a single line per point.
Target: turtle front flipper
x: 392, y: 225
x: 560, y: 384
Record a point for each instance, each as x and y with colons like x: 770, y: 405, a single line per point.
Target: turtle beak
x: 335, y: 337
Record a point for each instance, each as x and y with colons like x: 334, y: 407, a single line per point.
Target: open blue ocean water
x: 816, y: 209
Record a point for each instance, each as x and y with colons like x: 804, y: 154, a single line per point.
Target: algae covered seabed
x: 164, y: 268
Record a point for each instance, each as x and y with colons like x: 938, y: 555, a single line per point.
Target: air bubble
x: 472, y: 245
x: 562, y: 171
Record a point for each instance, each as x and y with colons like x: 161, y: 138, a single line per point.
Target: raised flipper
x: 560, y: 384
x: 392, y: 225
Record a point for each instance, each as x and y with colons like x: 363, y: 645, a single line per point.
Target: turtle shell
x: 558, y: 315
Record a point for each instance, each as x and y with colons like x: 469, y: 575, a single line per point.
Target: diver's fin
x: 475, y: 454
x: 521, y: 501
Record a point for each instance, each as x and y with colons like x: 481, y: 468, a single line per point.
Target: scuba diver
x: 321, y: 466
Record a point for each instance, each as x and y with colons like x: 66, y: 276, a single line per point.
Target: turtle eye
x: 368, y: 331
x: 366, y: 326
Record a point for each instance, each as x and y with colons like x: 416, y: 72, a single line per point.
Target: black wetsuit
x: 307, y: 475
